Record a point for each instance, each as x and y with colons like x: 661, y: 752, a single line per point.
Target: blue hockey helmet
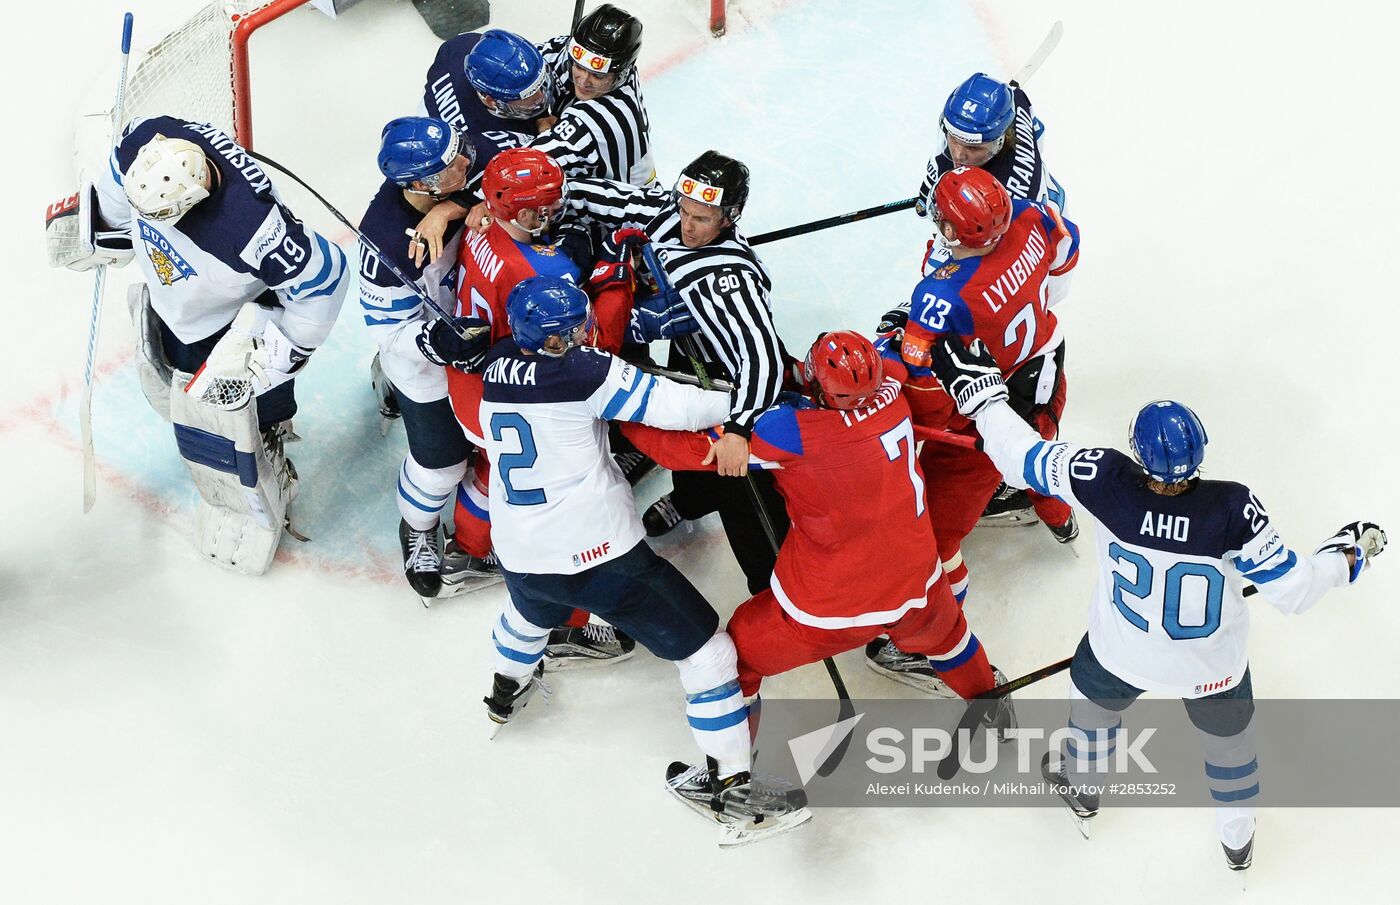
x: 509, y: 70
x: 543, y: 307
x: 1168, y: 441
x: 980, y: 110
x: 419, y: 148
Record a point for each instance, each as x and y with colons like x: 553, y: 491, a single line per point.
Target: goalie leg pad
x: 154, y: 371
x: 244, y: 486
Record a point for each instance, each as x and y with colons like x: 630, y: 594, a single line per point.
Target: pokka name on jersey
x: 1014, y: 277
x: 887, y: 393
x: 169, y: 266
x: 515, y: 371
x: 229, y: 150
x: 1022, y: 177
x: 485, y: 258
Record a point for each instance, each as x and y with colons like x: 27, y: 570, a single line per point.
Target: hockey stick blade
x: 978, y: 707
x: 1047, y: 47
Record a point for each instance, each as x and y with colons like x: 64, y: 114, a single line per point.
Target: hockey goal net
x: 199, y: 71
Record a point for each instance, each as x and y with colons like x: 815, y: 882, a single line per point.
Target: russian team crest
x: 169, y: 265
x: 946, y: 271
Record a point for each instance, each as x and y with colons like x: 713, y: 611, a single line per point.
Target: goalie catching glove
x: 969, y: 374
x: 75, y: 239
x: 1364, y: 539
x: 254, y: 351
x: 460, y: 343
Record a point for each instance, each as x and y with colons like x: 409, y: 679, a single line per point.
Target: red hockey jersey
x: 860, y: 550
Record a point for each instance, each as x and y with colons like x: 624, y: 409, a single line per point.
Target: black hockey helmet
x: 716, y: 179
x: 612, y: 33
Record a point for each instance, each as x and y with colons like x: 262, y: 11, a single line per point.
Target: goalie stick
x: 1047, y: 46
x: 99, y: 284
x: 470, y: 333
x: 687, y: 345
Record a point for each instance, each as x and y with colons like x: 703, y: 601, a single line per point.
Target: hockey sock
x: 956, y: 570
x: 471, y: 523
x: 519, y: 643
x: 577, y: 619
x: 964, y: 668
x: 1232, y: 770
x: 1094, y: 737
x: 714, y: 705
x: 424, y: 491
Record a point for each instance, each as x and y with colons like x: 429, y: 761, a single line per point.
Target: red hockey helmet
x: 843, y: 369
x: 978, y: 207
x: 521, y: 179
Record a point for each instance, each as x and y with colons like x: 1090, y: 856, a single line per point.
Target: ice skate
x: 1066, y: 533
x: 913, y: 670
x: 384, y: 394
x: 1083, y: 802
x: 422, y: 563
x: 634, y: 466
x: 661, y: 517
x: 1001, y: 718
x: 508, y: 697
x: 590, y: 645
x: 747, y: 810
x: 463, y: 572
x: 1009, y: 508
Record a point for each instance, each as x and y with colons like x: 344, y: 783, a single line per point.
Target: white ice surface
x: 173, y: 733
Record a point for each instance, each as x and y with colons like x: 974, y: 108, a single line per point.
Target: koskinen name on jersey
x: 169, y: 266
x: 230, y: 151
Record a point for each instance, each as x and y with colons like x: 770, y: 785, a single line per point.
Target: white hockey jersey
x: 1167, y: 613
x: 559, y: 504
x: 230, y: 248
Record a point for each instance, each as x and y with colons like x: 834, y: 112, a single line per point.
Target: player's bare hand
x: 477, y: 218
x: 428, y: 242
x: 730, y: 454
x: 545, y: 123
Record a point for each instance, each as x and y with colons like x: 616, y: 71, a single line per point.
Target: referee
x: 725, y: 288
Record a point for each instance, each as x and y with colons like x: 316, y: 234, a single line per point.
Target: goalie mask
x: 168, y: 177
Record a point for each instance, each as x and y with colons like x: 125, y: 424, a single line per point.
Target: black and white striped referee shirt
x: 724, y: 285
x: 608, y: 137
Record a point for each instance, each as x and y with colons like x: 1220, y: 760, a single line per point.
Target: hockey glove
x: 1364, y: 539
x: 459, y: 343
x: 75, y: 237
x: 275, y: 358
x: 969, y: 374
x: 623, y: 244
x: 661, y: 316
x: 894, y: 319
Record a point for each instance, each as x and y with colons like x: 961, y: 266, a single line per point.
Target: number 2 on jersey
x: 890, y: 439
x: 514, y: 421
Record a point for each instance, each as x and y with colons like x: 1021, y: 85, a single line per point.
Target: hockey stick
x: 95, y: 318
x: 948, y: 437
x: 838, y: 220
x: 978, y: 707
x: 687, y: 345
x: 1047, y: 46
x: 578, y: 14
x: 383, y: 259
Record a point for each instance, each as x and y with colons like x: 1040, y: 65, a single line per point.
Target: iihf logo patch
x: 169, y: 266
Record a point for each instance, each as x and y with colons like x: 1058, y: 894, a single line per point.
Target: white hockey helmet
x: 168, y: 177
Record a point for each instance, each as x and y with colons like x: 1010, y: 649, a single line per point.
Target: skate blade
x: 748, y: 832
x: 568, y: 664
x: 932, y: 687
x: 1009, y: 520
x: 384, y: 424
x: 467, y: 586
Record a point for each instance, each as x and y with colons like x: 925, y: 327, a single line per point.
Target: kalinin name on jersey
x: 229, y: 150
x: 506, y: 370
x: 484, y: 257
x: 1015, y: 276
x: 1023, y: 170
